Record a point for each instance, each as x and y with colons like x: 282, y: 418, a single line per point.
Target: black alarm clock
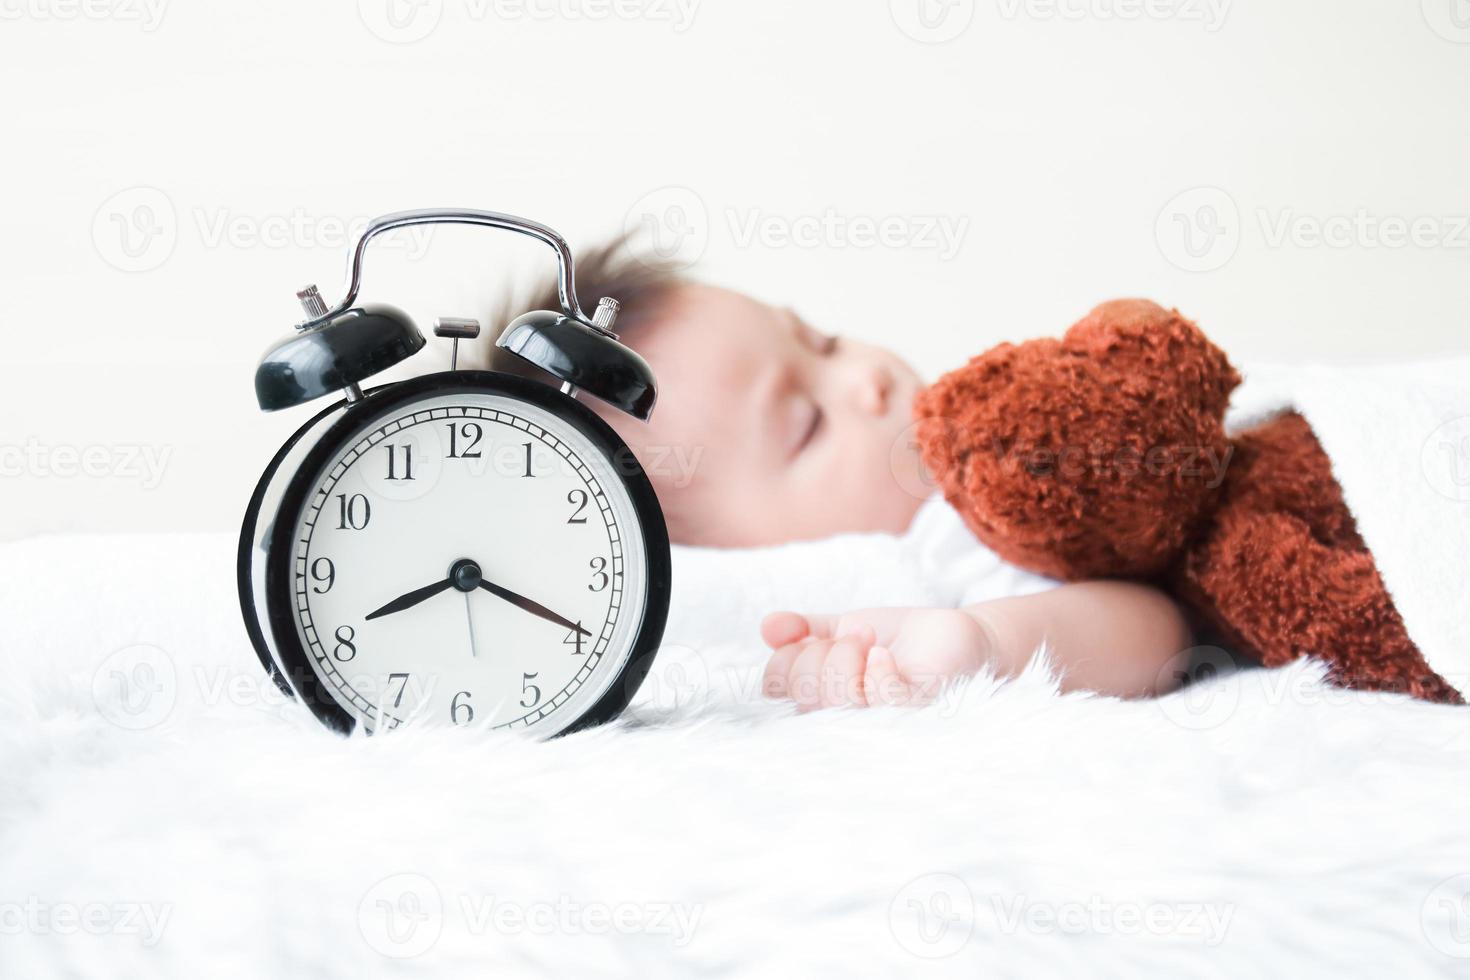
x: 462, y: 548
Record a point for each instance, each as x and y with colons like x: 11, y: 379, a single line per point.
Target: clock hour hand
x: 409, y: 599
x: 534, y: 608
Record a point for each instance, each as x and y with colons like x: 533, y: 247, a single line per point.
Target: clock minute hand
x: 409, y: 599
x: 534, y: 608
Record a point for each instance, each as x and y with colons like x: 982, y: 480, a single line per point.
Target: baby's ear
x: 1141, y: 343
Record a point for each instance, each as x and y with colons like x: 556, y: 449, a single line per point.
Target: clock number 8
x: 345, y: 636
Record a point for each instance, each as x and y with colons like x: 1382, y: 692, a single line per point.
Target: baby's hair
x: 638, y: 280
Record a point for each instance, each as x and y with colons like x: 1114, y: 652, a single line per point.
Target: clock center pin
x: 465, y: 575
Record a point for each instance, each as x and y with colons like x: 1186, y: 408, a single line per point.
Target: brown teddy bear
x: 1104, y: 455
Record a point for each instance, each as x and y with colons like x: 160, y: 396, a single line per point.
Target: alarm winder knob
x: 311, y: 301
x: 605, y: 314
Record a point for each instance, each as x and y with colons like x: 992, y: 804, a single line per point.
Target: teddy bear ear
x: 1141, y: 340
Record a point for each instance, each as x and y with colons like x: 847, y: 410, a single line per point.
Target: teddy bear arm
x: 1284, y: 594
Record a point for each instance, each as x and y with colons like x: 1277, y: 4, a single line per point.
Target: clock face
x: 468, y: 558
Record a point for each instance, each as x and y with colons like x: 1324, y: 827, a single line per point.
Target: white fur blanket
x: 164, y: 814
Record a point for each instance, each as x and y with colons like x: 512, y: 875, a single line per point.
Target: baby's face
x: 767, y: 430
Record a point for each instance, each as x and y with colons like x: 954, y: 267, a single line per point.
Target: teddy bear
x: 1105, y: 455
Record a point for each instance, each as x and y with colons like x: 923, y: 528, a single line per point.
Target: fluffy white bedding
x: 164, y: 813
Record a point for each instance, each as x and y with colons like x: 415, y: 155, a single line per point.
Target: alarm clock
x: 466, y: 548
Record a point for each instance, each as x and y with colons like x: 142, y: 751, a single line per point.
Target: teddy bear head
x: 1096, y: 455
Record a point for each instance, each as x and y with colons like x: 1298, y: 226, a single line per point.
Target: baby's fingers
x: 882, y: 683
x: 778, y: 669
x: 804, y: 683
x: 781, y: 628
x: 842, y: 674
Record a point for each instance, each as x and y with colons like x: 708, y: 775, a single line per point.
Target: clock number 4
x: 574, y: 639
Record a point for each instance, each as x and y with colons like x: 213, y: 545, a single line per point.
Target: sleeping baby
x: 787, y: 433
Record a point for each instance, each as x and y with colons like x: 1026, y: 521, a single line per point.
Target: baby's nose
x: 875, y: 388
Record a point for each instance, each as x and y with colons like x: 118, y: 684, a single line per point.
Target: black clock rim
x: 244, y: 585
x: 382, y: 401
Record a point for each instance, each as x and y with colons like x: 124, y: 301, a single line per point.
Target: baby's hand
x: 870, y: 657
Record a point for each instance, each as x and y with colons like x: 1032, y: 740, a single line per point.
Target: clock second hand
x: 470, y: 618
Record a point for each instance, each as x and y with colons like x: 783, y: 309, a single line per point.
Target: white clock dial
x: 468, y: 559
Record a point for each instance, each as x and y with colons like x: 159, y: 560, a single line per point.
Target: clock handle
x: 565, y: 274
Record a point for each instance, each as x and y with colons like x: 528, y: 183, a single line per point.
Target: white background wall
x: 172, y: 172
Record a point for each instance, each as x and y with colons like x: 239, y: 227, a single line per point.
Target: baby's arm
x: 1115, y: 638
